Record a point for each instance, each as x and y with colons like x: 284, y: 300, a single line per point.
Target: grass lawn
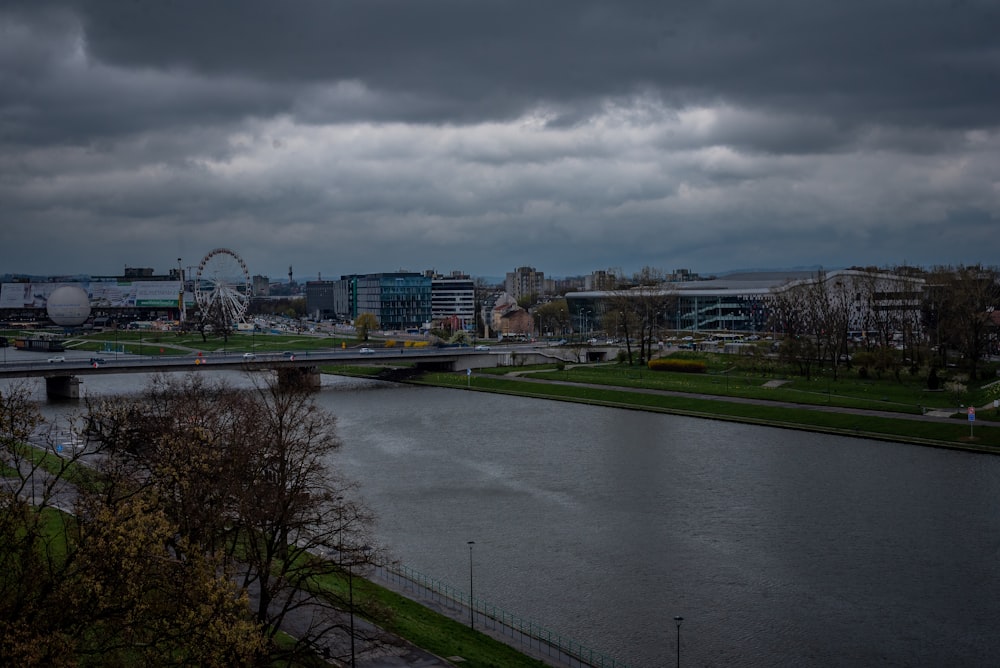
x: 942, y: 434
x: 845, y: 392
x: 425, y: 628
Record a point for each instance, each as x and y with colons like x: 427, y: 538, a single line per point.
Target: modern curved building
x: 743, y: 302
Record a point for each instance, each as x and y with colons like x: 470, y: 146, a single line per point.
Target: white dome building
x: 68, y: 306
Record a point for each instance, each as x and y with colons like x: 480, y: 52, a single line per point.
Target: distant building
x: 137, y: 295
x: 453, y: 299
x: 560, y: 286
x: 400, y: 300
x: 261, y: 286
x: 132, y: 273
x: 743, y: 302
x: 509, y: 319
x: 601, y: 280
x: 320, y: 301
x: 525, y: 282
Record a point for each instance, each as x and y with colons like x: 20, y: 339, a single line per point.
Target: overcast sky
x: 376, y: 135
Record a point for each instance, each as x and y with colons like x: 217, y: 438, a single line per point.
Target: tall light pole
x: 472, y: 607
x: 350, y: 593
x: 180, y: 298
x: 678, y: 621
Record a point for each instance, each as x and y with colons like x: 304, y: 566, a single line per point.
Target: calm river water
x: 777, y: 547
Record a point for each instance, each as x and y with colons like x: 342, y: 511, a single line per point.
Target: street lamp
x: 350, y: 594
x: 678, y: 621
x: 180, y: 299
x: 472, y: 608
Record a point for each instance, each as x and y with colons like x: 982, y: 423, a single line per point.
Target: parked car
x: 57, y: 358
x: 367, y: 351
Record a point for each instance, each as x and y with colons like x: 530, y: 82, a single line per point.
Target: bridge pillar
x: 298, y: 376
x: 62, y: 387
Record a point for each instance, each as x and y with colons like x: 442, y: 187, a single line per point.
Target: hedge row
x: 681, y: 366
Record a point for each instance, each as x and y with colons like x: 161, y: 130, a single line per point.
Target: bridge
x: 62, y: 377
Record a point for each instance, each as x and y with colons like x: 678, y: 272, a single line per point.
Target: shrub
x: 677, y: 365
x: 933, y: 382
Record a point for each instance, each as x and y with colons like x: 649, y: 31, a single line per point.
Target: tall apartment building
x: 525, y: 281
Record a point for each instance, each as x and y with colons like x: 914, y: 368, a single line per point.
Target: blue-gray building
x: 400, y: 300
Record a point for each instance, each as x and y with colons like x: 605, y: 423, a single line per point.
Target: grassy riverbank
x: 428, y: 629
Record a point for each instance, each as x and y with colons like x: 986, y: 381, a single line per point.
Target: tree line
x: 878, y: 320
x: 886, y: 321
x: 201, y: 524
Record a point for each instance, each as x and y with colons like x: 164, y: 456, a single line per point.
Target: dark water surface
x: 779, y: 548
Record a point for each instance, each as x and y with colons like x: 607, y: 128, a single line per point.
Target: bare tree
x: 791, y: 314
x: 553, y: 316
x: 970, y: 294
x: 637, y: 310
x: 293, y: 507
x: 105, y: 586
x: 246, y: 474
x: 828, y: 304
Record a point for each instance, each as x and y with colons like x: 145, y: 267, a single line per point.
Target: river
x: 777, y: 547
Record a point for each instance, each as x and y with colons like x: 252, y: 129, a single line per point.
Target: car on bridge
x: 97, y: 360
x: 249, y: 357
x: 57, y: 358
x: 367, y: 351
x: 481, y: 347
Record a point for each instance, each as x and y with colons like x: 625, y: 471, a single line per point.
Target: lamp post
x: 678, y: 621
x: 472, y: 608
x: 180, y: 298
x: 350, y: 594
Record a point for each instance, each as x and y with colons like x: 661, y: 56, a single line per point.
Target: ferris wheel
x: 222, y: 285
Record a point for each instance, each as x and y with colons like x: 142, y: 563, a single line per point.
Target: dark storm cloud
x: 925, y: 63
x: 369, y: 135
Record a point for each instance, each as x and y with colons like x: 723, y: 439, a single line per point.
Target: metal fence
x: 524, y: 632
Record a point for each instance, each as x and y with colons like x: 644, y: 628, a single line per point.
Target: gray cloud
x: 572, y: 136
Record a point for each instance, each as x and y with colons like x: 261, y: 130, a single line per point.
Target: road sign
x: 972, y: 413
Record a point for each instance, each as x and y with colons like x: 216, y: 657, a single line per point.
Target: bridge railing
x: 520, y: 629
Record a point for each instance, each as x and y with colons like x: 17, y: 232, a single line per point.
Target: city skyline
x: 358, y: 137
